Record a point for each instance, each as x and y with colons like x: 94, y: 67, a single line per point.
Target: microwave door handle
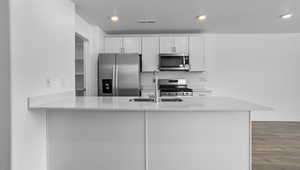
x: 117, y: 81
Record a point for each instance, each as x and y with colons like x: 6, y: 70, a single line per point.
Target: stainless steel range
x: 174, y: 87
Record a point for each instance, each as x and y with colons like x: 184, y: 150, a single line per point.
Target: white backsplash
x: 196, y: 80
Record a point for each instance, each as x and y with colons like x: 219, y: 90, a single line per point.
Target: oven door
x: 173, y: 62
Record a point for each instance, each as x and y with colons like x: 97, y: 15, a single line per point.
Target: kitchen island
x: 112, y: 133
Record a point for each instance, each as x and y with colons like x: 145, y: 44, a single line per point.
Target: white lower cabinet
x: 95, y: 141
x: 139, y: 140
x: 198, y: 140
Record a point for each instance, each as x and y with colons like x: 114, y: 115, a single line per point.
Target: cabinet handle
x: 122, y: 50
x: 173, y: 49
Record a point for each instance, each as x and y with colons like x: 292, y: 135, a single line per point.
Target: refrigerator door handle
x: 113, y: 81
x: 116, y: 79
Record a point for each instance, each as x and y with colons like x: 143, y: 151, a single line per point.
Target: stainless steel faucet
x: 156, y: 90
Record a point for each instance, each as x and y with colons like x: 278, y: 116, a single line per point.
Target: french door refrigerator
x: 119, y: 75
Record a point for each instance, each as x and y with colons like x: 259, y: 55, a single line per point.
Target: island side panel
x: 199, y: 140
x: 99, y: 140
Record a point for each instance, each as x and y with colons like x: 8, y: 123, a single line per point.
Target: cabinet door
x: 112, y: 45
x: 181, y: 44
x: 96, y: 140
x: 197, y: 57
x: 166, y: 45
x: 198, y: 140
x: 150, y: 52
x: 132, y: 44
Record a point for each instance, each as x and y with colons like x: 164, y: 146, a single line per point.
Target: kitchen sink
x: 141, y: 100
x: 152, y: 100
x: 171, y: 99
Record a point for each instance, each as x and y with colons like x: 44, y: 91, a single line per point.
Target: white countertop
x: 212, y: 103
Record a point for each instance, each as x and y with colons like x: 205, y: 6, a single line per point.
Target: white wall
x: 262, y: 68
x: 4, y: 86
x: 42, y: 62
x: 95, y: 37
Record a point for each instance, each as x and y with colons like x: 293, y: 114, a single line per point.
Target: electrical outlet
x: 53, y: 82
x: 48, y: 82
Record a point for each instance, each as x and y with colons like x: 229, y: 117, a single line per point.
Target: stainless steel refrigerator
x: 119, y: 75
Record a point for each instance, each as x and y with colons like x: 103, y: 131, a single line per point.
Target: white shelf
x: 79, y: 68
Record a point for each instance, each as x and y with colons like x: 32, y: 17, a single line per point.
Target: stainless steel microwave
x: 174, y: 62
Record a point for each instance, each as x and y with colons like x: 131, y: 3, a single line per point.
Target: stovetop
x: 174, y: 87
x: 176, y: 90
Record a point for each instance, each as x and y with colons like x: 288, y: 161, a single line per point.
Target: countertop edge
x: 45, y: 108
x: 67, y: 101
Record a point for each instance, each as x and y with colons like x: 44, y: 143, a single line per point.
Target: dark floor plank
x: 276, y: 145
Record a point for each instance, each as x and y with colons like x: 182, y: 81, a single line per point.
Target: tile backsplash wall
x: 196, y: 80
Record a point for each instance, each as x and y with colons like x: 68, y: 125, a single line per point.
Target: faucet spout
x: 156, y: 90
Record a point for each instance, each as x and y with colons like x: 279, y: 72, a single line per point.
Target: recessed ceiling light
x: 114, y: 18
x: 286, y: 16
x: 202, y: 17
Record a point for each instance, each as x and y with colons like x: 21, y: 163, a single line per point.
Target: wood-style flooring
x: 276, y: 145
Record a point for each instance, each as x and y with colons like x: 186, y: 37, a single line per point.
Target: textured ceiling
x: 176, y: 16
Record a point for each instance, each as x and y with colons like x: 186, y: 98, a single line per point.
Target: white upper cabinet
x: 132, y: 44
x: 181, y: 44
x: 196, y: 52
x: 113, y: 45
x: 166, y: 45
x: 150, y: 51
x: 122, y: 45
x: 174, y: 44
x: 151, y: 46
